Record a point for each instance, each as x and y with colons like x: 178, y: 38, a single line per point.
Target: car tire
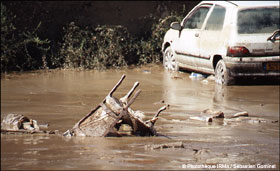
x: 221, y: 74
x: 169, y: 61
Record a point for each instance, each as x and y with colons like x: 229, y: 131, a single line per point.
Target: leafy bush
x: 20, y: 50
x: 99, y: 48
x: 72, y: 52
x: 7, y: 38
x: 113, y: 46
x: 88, y: 48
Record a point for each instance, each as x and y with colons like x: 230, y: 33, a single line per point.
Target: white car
x: 230, y: 39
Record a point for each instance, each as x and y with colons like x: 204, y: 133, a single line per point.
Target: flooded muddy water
x: 61, y: 98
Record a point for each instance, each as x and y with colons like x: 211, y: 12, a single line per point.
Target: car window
x: 216, y: 19
x: 196, y: 19
x: 258, y: 20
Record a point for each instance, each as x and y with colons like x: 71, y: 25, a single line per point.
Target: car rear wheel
x: 221, y: 74
x: 169, y: 61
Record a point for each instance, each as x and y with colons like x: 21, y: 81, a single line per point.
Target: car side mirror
x: 175, y: 26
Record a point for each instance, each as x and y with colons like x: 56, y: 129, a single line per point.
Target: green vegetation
x: 20, y: 50
x: 99, y: 48
x: 86, y: 48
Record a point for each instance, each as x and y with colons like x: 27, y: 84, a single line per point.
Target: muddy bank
x: 61, y: 98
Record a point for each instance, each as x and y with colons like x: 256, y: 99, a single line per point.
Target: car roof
x: 241, y: 4
x: 255, y: 3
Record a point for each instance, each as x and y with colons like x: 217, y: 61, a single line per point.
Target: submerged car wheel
x: 169, y: 61
x: 221, y: 74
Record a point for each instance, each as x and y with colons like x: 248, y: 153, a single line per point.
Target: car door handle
x: 196, y: 34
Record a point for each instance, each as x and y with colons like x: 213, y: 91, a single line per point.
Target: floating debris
x: 210, y: 78
x: 202, y: 118
x: 107, y: 118
x: 239, y: 114
x: 208, y: 115
x: 196, y: 76
x: 213, y: 113
x: 147, y: 71
x: 164, y: 146
x: 176, y: 77
x: 17, y: 123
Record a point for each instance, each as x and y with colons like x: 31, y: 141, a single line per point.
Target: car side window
x: 196, y: 19
x: 216, y: 19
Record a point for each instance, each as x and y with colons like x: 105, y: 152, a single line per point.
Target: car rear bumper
x: 253, y: 66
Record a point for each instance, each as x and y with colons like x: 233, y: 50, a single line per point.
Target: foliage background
x: 85, y: 34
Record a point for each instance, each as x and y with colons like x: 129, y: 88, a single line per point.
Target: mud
x: 61, y: 98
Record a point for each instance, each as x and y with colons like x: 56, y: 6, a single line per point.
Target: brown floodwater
x: 62, y: 97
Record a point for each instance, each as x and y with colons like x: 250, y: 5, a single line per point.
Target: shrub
x: 89, y: 48
x: 31, y: 50
x: 72, y: 52
x: 113, y: 46
x: 8, y: 49
x: 99, y: 48
x: 20, y: 49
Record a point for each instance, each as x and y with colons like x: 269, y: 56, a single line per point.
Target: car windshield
x: 258, y: 20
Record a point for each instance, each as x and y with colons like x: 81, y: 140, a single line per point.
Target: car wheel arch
x: 215, y: 60
x: 166, y: 45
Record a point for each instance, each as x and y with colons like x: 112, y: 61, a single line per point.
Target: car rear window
x: 258, y: 20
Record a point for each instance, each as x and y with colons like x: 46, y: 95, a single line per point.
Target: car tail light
x: 238, y: 51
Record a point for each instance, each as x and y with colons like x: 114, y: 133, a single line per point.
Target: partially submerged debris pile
x: 16, y: 123
x: 111, y: 114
